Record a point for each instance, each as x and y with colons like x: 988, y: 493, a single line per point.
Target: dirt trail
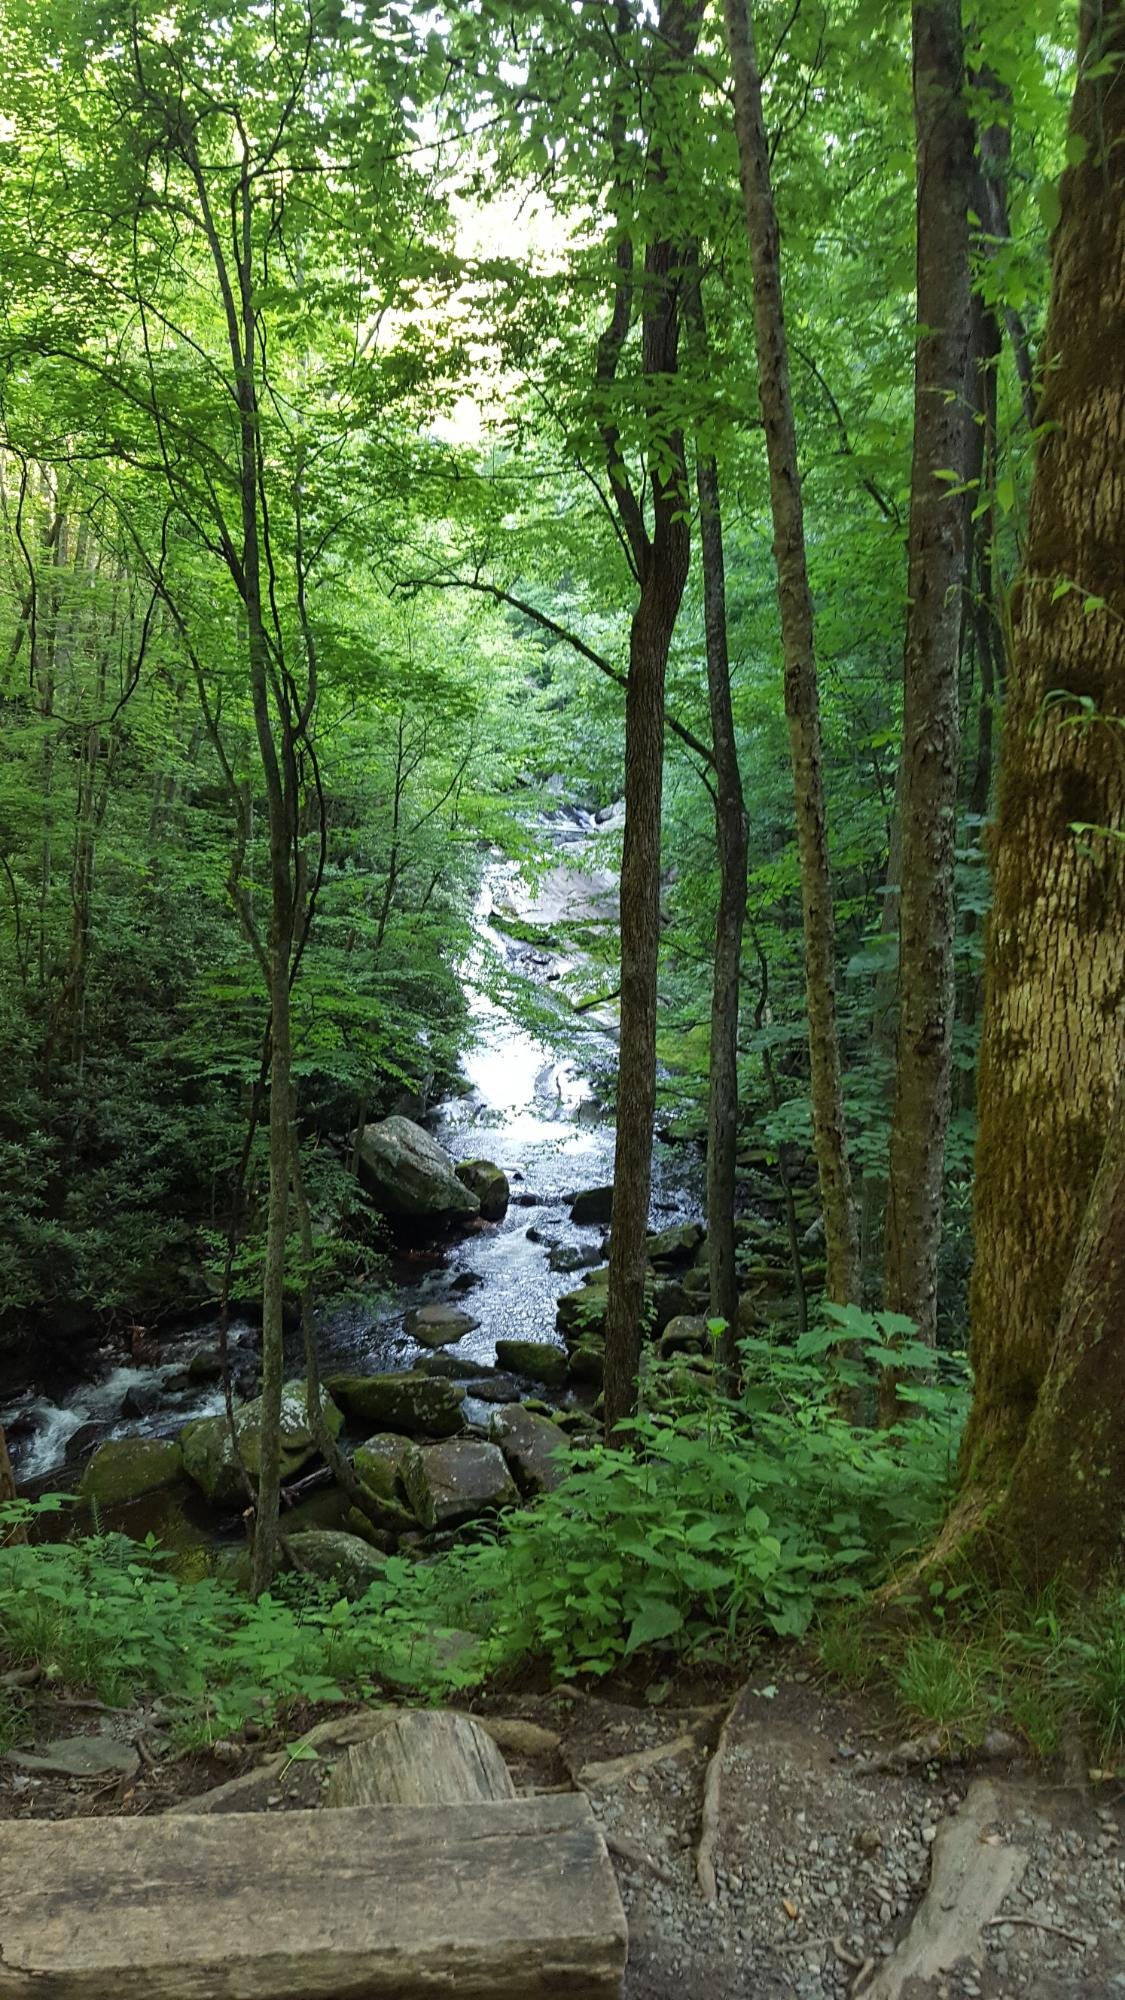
x: 821, y: 1863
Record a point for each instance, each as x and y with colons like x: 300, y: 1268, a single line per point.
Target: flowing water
x: 527, y: 1105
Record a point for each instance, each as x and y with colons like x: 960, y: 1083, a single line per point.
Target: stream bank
x: 531, y: 1100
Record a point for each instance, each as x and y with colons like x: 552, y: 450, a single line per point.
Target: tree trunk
x: 16, y: 1532
x: 660, y: 561
x: 649, y: 642
x: 1065, y: 1509
x: 802, y: 702
x: 884, y: 1035
x: 931, y: 718
x: 273, y: 1278
x: 731, y: 845
x: 1054, y: 1011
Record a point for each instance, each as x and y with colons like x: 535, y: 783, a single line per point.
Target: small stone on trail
x: 80, y: 1757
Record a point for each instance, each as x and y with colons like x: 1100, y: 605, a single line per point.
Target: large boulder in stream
x: 417, y: 1405
x: 593, y: 1205
x: 210, y: 1461
x: 449, y: 1484
x: 539, y: 1360
x: 583, y: 1311
x: 438, y: 1325
x: 490, y: 1185
x: 409, y: 1176
x: 124, y: 1468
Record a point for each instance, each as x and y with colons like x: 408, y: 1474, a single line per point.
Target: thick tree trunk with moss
x: 1054, y: 1022
x: 802, y: 701
x: 931, y: 731
x: 1065, y: 1509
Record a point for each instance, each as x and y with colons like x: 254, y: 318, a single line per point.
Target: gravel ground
x: 821, y: 1863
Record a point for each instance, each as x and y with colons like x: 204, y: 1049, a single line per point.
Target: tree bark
x: 931, y: 719
x: 660, y: 560
x: 17, y: 1532
x: 1054, y: 1012
x: 730, y: 917
x: 802, y: 701
x: 662, y: 589
x: 1064, y: 1512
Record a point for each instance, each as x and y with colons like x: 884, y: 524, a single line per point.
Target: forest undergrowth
x: 721, y: 1527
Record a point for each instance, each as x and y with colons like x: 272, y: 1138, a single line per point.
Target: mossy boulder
x: 451, y: 1483
x: 124, y: 1468
x: 409, y: 1176
x: 336, y: 1557
x: 593, y: 1205
x: 439, y: 1325
x: 586, y: 1361
x: 583, y: 1311
x: 686, y: 1334
x: 413, y: 1404
x: 490, y: 1185
x: 380, y: 1522
x: 671, y: 1248
x: 379, y: 1463
x: 534, y: 1447
x: 697, y: 1284
x: 210, y: 1462
x: 539, y: 1360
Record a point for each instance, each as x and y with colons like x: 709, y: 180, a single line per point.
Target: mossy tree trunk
x: 1047, y: 1332
x: 802, y: 697
x: 659, y: 543
x: 931, y: 724
x: 1065, y: 1508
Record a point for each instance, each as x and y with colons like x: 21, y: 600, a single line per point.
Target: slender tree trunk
x: 884, y: 1035
x: 931, y: 719
x: 994, y: 159
x: 650, y: 639
x: 660, y: 559
x: 730, y: 917
x: 273, y: 1278
x: 985, y: 627
x: 17, y: 1532
x: 793, y: 1234
x: 802, y: 701
x: 1054, y: 1012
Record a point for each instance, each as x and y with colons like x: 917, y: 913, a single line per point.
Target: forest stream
x: 527, y: 1103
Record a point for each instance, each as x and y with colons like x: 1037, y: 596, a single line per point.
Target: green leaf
x: 655, y: 1620
x: 1049, y: 205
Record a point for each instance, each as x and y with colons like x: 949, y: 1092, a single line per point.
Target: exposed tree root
x: 709, y: 1815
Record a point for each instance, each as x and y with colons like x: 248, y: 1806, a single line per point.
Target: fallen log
x: 491, y: 1901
